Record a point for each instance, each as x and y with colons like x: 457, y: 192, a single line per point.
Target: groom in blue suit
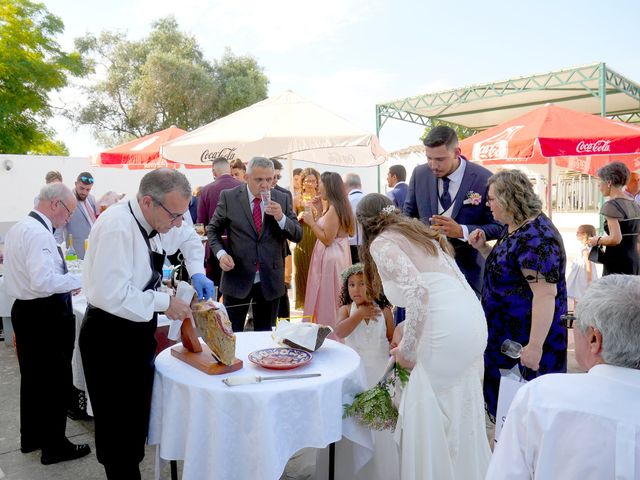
x: 450, y: 194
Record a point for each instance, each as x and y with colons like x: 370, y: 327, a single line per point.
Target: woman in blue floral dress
x: 524, y: 291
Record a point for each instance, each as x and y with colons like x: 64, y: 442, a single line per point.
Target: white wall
x: 21, y: 184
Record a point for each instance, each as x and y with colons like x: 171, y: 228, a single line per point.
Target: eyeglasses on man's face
x: 66, y: 208
x: 174, y: 216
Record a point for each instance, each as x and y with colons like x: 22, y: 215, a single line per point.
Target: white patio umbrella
x: 284, y: 125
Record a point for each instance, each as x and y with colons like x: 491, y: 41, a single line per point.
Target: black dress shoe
x: 29, y: 447
x: 70, y: 452
x: 78, y: 414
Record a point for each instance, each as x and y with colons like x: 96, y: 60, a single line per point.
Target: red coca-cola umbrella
x: 144, y: 152
x: 576, y: 140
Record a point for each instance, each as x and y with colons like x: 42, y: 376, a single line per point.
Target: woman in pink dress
x: 331, y: 254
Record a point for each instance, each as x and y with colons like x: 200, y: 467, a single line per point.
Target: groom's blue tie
x: 445, y: 198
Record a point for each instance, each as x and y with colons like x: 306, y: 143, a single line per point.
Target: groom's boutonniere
x: 473, y: 198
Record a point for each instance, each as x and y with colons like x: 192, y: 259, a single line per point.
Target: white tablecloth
x: 251, y: 431
x: 79, y: 307
x: 6, y: 302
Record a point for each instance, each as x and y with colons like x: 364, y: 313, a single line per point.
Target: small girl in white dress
x: 367, y: 327
x: 583, y: 271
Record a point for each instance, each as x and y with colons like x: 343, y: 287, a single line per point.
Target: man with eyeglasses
x: 121, y: 275
x: 85, y: 215
x: 577, y: 426
x: 44, y: 324
x: 258, y: 221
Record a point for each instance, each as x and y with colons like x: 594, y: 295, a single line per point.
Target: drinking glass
x: 511, y: 349
x: 199, y: 227
x: 265, y: 196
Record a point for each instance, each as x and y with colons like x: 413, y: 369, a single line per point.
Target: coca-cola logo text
x: 491, y: 150
x: 599, y: 146
x: 208, y: 156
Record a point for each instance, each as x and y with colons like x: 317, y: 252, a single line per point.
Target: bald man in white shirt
x: 44, y: 324
x: 579, y: 426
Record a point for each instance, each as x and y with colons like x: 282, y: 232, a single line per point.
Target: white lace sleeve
x: 397, y: 270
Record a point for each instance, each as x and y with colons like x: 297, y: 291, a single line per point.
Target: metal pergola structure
x: 594, y: 88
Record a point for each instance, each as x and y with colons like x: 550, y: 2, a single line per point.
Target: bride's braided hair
x: 376, y: 214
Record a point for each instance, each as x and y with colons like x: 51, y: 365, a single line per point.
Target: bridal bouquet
x: 374, y: 408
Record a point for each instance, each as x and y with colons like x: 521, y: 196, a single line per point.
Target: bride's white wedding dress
x: 441, y: 427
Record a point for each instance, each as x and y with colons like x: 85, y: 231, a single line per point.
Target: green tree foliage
x: 460, y: 130
x: 144, y: 86
x: 239, y: 82
x: 32, y: 65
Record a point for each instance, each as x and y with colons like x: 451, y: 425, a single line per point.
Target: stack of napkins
x: 306, y: 336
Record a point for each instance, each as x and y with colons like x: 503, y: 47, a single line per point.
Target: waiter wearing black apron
x: 44, y: 324
x: 122, y: 273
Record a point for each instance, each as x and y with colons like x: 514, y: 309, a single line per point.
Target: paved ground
x: 15, y: 465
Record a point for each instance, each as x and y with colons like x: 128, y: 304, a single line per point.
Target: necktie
x: 257, y: 215
x: 445, y: 198
x: 90, y: 211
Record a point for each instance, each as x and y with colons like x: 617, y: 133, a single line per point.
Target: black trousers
x: 45, y: 336
x: 214, y: 272
x: 119, y: 382
x: 264, y: 311
x: 354, y: 254
x: 284, y: 308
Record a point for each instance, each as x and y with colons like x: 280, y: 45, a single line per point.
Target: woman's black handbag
x: 596, y: 254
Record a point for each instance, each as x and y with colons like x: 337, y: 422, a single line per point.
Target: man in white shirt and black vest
x: 121, y: 274
x: 44, y: 324
x: 576, y: 426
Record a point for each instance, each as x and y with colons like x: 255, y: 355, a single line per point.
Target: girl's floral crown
x: 351, y: 270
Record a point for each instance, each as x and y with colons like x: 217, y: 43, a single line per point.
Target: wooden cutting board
x: 204, y: 360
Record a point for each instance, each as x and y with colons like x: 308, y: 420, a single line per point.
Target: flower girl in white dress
x: 367, y: 327
x: 583, y: 271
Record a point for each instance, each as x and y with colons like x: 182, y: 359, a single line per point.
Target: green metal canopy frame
x: 594, y: 89
x: 591, y: 88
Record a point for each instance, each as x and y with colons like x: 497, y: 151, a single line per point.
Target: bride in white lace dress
x: 441, y: 427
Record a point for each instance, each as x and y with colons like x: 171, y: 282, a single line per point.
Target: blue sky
x: 348, y: 55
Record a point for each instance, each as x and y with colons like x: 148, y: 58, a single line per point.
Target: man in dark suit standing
x: 396, y: 179
x: 209, y: 195
x: 450, y: 194
x: 253, y: 262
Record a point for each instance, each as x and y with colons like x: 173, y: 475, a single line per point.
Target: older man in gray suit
x: 85, y: 215
x: 257, y: 229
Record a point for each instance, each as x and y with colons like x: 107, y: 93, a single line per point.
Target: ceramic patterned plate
x: 280, y: 358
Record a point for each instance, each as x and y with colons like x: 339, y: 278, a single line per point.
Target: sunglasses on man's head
x: 85, y: 179
x: 568, y: 320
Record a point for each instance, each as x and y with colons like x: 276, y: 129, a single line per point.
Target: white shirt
x: 117, y: 266
x: 354, y: 199
x: 32, y: 264
x: 573, y: 426
x: 455, y: 181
